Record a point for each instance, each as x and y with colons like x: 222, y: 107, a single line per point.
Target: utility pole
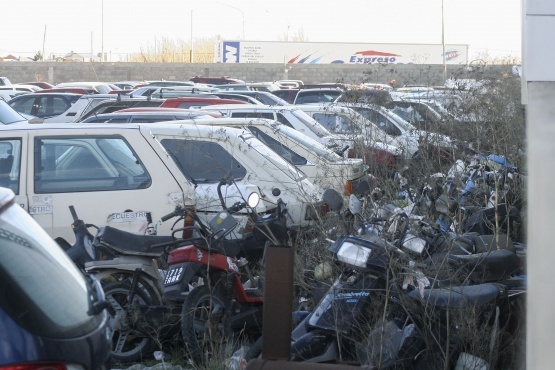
x: 191, y: 61
x: 102, y: 43
x: 43, y: 42
x: 443, y: 43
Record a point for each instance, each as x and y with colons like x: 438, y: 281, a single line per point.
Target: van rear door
x: 110, y: 175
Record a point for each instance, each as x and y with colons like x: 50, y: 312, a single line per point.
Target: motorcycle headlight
x: 353, y: 254
x: 414, y: 243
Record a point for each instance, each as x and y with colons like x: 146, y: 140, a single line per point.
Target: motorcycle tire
x: 203, y: 329
x: 129, y: 344
x: 124, y: 277
x: 255, y: 350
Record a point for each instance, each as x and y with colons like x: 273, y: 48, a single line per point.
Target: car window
x: 203, y: 161
x: 280, y: 148
x: 283, y: 120
x: 40, y: 287
x: 315, y: 146
x: 337, y: 123
x: 78, y: 164
x: 316, y: 97
x: 123, y: 119
x: 407, y: 113
x: 8, y: 115
x: 23, y: 105
x: 252, y: 115
x: 150, y: 119
x: 96, y: 119
x: 380, y: 120
x: 51, y: 106
x: 10, y: 159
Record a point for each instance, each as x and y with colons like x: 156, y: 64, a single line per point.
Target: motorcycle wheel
x: 201, y: 323
x: 254, y: 351
x: 128, y: 343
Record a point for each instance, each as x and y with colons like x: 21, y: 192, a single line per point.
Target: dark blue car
x: 51, y: 315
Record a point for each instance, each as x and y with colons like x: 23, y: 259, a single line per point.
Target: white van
x: 207, y: 153
x: 110, y: 174
x: 323, y: 166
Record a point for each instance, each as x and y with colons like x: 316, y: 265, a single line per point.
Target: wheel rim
x: 206, y: 322
x: 127, y: 342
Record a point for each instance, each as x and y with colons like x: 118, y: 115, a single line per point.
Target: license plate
x: 173, y: 275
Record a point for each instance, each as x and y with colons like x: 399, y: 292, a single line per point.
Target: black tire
x: 202, y: 336
x: 125, y: 277
x: 129, y: 344
x: 255, y: 350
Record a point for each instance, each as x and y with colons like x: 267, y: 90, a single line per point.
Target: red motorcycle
x: 222, y: 299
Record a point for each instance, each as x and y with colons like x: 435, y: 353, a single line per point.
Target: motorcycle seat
x: 120, y: 242
x: 488, y: 266
x: 486, y: 243
x: 458, y: 296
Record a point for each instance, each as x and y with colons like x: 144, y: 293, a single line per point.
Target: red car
x: 42, y: 85
x: 189, y: 102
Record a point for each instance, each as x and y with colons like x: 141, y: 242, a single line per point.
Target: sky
x: 119, y: 27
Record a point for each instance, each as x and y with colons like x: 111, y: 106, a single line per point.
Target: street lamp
x: 242, y: 14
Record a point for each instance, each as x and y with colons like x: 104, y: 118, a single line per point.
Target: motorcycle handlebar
x: 173, y: 214
x: 73, y: 213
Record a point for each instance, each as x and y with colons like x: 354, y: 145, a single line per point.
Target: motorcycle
x: 363, y: 318
x: 219, y: 303
x: 129, y: 267
x: 133, y: 268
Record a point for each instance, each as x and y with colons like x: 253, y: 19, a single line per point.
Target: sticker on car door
x: 139, y: 216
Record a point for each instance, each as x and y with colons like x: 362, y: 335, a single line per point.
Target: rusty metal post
x: 278, y: 303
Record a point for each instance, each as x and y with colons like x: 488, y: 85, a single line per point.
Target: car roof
x: 161, y: 111
x: 251, y: 107
x: 38, y: 93
x: 75, y: 90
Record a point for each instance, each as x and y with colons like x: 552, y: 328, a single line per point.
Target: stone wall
x: 56, y: 72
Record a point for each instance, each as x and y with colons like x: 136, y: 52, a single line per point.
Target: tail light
x: 42, y: 366
x: 182, y: 254
x: 349, y: 187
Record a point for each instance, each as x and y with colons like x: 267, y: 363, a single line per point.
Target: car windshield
x: 278, y: 162
x: 405, y: 125
x: 313, y: 145
x: 338, y: 123
x: 8, y: 115
x: 311, y: 123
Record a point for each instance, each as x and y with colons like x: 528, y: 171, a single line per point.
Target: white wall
x: 539, y: 96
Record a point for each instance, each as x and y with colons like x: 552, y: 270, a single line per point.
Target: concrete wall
x: 56, y: 72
